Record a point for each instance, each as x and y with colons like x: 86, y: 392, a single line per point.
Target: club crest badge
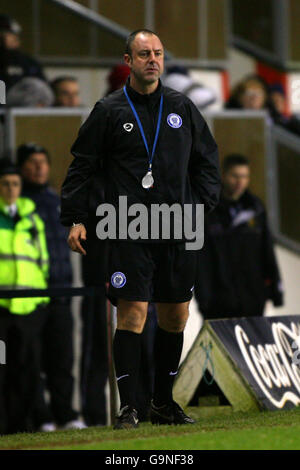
x: 174, y: 120
x: 128, y: 126
x: 118, y: 280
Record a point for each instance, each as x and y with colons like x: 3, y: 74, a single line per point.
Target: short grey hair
x: 30, y: 92
x: 132, y: 36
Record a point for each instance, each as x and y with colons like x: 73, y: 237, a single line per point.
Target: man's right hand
x: 77, y: 234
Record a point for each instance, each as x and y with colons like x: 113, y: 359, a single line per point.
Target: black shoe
x: 169, y: 414
x: 127, y: 418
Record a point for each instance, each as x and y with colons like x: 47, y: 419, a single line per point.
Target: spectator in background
x: 117, y: 78
x: 30, y: 92
x: 237, y: 267
x: 178, y: 78
x: 280, y: 117
x: 14, y: 64
x: 278, y: 98
x: 23, y: 265
x: 66, y: 91
x: 57, y: 347
x: 250, y: 93
x: 253, y: 93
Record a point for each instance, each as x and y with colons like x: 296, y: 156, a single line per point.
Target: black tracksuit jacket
x: 237, y: 268
x: 185, y: 166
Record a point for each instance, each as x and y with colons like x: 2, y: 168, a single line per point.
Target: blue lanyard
x: 141, y: 127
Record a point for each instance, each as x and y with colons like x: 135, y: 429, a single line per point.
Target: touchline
x: 159, y: 221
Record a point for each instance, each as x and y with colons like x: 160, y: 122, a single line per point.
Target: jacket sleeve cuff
x: 68, y: 221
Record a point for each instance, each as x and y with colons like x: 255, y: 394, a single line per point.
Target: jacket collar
x: 33, y: 187
x: 25, y: 206
x: 246, y: 201
x: 139, y: 98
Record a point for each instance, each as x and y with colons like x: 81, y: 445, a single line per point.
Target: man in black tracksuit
x: 237, y: 268
x: 154, y: 147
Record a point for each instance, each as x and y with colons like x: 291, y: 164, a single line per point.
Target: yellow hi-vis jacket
x: 24, y: 261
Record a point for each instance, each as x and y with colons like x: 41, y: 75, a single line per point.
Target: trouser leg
x: 94, y: 363
x: 58, y: 360
x: 24, y: 353
x: 42, y: 413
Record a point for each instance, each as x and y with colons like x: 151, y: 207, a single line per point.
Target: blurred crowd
x: 237, y: 269
x: 28, y: 86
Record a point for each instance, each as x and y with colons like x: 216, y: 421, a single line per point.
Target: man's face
x: 236, y: 180
x: 68, y: 94
x: 10, y: 40
x: 278, y: 100
x: 147, y: 59
x: 254, y: 97
x: 36, y: 169
x: 10, y: 188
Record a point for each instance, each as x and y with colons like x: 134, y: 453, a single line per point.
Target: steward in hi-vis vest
x: 23, y: 265
x: 23, y: 255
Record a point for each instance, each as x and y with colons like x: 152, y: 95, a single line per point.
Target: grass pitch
x: 278, y: 430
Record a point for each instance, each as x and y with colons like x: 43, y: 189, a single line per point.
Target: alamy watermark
x: 159, y: 221
x: 2, y: 352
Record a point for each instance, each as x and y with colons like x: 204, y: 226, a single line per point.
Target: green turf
x: 266, y: 430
